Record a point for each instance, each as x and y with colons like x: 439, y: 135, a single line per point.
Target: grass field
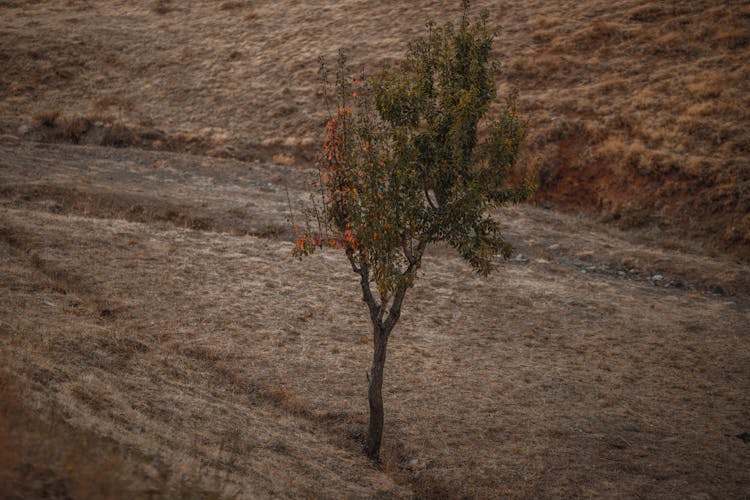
x: 157, y: 339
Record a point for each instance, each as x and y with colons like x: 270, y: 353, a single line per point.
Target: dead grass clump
x: 611, y: 85
x: 706, y: 87
x: 233, y: 5
x: 46, y: 118
x: 72, y: 128
x: 598, y: 35
x: 649, y: 13
x: 543, y: 67
x: 163, y: 7
x: 108, y: 101
x: 610, y: 149
x: 118, y: 135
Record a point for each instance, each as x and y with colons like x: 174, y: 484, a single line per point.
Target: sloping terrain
x: 152, y: 308
x: 638, y: 111
x: 158, y: 340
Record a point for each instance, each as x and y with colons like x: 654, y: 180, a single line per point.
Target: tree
x: 403, y: 168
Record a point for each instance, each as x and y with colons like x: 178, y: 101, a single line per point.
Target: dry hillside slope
x: 153, y: 312
x: 638, y: 110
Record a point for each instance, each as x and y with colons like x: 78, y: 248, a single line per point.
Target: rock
x: 620, y: 273
x: 678, y: 283
x: 717, y: 289
x: 521, y: 258
x: 23, y: 130
x: 657, y: 277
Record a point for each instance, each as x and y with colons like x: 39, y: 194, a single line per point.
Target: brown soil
x: 151, y: 304
x: 638, y: 112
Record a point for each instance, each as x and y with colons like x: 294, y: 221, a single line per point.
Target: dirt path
x: 176, y: 331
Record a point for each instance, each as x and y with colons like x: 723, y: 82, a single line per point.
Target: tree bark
x: 375, y: 393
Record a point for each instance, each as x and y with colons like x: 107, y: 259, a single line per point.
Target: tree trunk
x: 375, y: 393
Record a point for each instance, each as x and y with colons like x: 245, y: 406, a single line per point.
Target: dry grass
x: 157, y: 336
x: 221, y: 364
x: 672, y: 76
x: 42, y: 457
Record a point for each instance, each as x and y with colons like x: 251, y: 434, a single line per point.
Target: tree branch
x: 398, y: 298
x: 368, y: 297
x: 395, y: 313
x: 407, y: 252
x: 350, y: 256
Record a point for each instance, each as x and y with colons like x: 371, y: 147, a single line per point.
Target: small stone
x: 23, y: 130
x: 620, y: 273
x: 678, y: 283
x: 657, y: 277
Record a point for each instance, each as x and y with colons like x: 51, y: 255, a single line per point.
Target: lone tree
x: 403, y: 168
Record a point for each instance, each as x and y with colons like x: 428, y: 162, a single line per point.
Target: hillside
x: 153, y: 313
x: 158, y: 340
x: 638, y: 112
